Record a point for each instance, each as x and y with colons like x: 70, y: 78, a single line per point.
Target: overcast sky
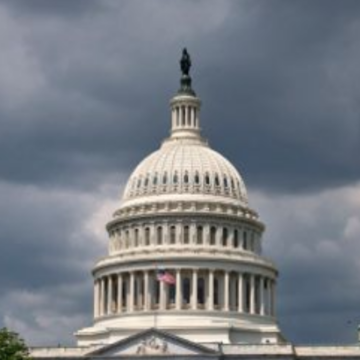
x: 84, y: 96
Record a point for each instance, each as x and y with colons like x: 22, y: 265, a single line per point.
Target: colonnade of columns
x: 184, y: 116
x: 167, y: 233
x: 194, y: 289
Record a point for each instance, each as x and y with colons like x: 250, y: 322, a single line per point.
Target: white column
x: 119, y: 294
x: 231, y: 237
x: 261, y: 295
x: 177, y: 116
x: 102, y: 297
x: 193, y: 116
x: 219, y: 231
x: 166, y: 230
x: 139, y: 298
x: 146, y: 290
x: 211, y: 290
x: 152, y: 233
x: 226, y: 291
x: 232, y: 289
x: 180, y: 115
x: 131, y: 292
x: 96, y: 298
x: 179, y: 234
x: 206, y: 234
x: 240, y: 293
x: 110, y: 295
x: 173, y: 119
x: 178, y: 289
x: 252, y: 294
x: 192, y: 231
x: 194, y: 289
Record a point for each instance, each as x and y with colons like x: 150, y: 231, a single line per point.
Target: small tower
x: 185, y: 106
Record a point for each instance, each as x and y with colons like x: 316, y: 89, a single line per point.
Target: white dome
x: 185, y: 166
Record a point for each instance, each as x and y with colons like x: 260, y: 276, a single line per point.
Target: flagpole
x: 163, y: 278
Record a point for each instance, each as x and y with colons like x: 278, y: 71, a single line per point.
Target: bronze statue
x: 185, y: 62
x: 185, y: 81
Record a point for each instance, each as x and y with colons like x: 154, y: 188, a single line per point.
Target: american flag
x: 165, y: 276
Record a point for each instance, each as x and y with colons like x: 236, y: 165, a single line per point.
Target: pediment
x: 152, y: 342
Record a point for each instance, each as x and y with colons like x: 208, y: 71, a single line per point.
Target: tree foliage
x: 12, y: 347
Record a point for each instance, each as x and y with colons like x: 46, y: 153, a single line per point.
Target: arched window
x: 172, y: 235
x: 155, y: 179
x: 199, y: 235
x: 171, y: 293
x: 164, y: 179
x: 216, y: 292
x: 136, y: 237
x: 186, y: 290
x: 232, y: 184
x: 159, y: 234
x: 139, y: 183
x: 225, y: 182
x: 186, y: 234
x: 157, y: 293
x: 213, y: 235
x: 175, y: 178
x: 236, y: 238
x: 197, y: 179
x: 186, y: 178
x: 247, y: 294
x: 127, y: 238
x: 217, y: 182
x: 146, y: 183
x: 201, y: 291
x: 225, y: 236
x: 147, y: 236
x: 207, y: 179
x: 124, y: 293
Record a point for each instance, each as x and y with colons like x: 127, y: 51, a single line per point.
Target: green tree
x: 12, y: 347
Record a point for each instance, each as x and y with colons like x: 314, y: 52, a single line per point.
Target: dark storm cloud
x: 54, y: 7
x: 38, y: 228
x: 272, y: 73
x: 314, y: 242
x: 289, y: 101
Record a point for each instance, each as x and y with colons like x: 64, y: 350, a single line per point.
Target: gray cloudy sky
x: 84, y: 91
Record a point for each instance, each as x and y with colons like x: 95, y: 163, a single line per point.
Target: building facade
x: 185, y: 275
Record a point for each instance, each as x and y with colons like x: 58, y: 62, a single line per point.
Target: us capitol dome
x: 185, y: 247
